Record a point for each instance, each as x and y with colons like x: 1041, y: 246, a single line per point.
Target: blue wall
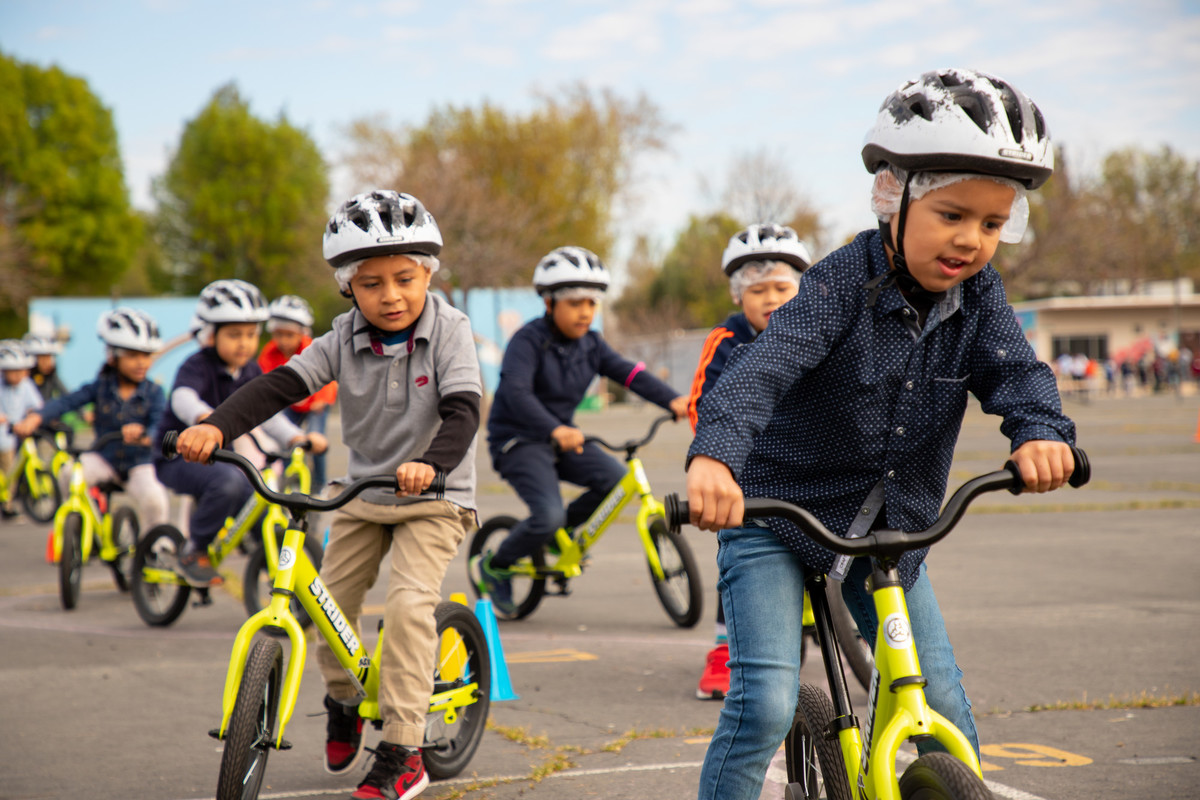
x: 495, y: 315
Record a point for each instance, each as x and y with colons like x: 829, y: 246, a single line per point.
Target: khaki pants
x: 423, y: 538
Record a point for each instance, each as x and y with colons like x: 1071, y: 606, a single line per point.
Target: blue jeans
x: 220, y: 491
x: 534, y: 470
x: 759, y: 579
x: 312, y: 422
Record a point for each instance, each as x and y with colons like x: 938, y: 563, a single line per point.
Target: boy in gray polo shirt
x: 409, y: 391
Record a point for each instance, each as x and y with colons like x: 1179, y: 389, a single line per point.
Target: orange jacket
x: 271, y: 357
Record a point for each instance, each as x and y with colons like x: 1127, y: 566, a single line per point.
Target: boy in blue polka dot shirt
x: 850, y: 403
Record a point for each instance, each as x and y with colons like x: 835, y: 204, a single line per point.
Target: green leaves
x: 65, y: 220
x: 245, y: 198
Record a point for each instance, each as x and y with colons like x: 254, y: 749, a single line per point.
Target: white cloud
x: 620, y: 34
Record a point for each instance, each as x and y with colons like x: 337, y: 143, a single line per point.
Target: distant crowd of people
x: 1158, y: 369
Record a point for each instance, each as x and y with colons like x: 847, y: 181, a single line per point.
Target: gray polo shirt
x: 389, y: 394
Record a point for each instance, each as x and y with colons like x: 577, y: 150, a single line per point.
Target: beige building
x: 1114, y: 326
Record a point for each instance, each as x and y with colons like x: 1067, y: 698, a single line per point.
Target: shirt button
x: 905, y: 312
x: 891, y: 473
x: 395, y: 384
x: 1002, y: 353
x: 908, y: 385
x: 866, y: 511
x: 900, y: 431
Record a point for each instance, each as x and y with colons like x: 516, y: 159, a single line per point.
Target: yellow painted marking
x: 1035, y: 755
x: 459, y: 597
x: 549, y: 657
x: 987, y: 766
x: 698, y: 740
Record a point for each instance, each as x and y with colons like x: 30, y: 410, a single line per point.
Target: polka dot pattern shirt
x: 834, y: 396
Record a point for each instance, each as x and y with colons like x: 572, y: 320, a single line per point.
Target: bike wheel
x: 526, y: 592
x: 70, y: 563
x: 251, y: 732
x: 125, y: 532
x: 463, y: 659
x: 815, y: 766
x: 856, y: 650
x: 679, y: 591
x: 257, y: 583
x: 941, y: 776
x: 41, y: 500
x: 159, y: 593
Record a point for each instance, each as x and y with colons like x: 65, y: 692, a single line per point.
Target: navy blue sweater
x: 545, y: 375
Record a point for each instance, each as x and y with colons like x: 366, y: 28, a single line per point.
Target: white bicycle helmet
x: 291, y: 308
x: 964, y: 121
x: 36, y: 345
x: 570, y: 268
x: 380, y: 223
x: 129, y: 329
x: 230, y: 300
x: 765, y: 242
x: 13, y: 355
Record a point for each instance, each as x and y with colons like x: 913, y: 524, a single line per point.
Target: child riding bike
x: 410, y: 388
x: 763, y: 264
x: 850, y: 403
x: 547, y: 368
x: 126, y: 401
x: 290, y: 321
x: 227, y: 322
x: 18, y: 396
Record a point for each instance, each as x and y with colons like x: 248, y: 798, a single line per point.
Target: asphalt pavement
x: 1082, y: 602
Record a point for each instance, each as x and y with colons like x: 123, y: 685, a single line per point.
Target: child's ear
x: 549, y: 304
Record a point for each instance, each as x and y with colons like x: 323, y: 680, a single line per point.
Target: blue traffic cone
x: 501, y: 683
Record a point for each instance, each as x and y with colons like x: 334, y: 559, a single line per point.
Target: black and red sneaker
x: 397, y: 774
x: 343, y: 737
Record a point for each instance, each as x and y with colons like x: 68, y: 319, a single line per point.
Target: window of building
x: 1094, y: 346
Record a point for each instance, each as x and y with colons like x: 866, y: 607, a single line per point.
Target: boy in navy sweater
x: 547, y: 368
x: 763, y: 263
x: 228, y: 322
x: 850, y: 403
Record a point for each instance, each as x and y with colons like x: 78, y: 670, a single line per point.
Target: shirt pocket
x: 949, y: 395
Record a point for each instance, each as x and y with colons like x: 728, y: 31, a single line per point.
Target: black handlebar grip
x: 168, y: 444
x: 438, y: 485
x: 677, y: 512
x: 1083, y: 468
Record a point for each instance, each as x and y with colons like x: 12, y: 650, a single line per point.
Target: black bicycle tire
x: 445, y: 759
x: 256, y: 568
x: 121, y: 518
x: 29, y: 503
x: 807, y: 737
x: 251, y: 730
x: 941, y: 776
x: 857, y: 652
x: 144, y: 555
x: 479, y: 542
x: 689, y: 616
x: 70, y: 561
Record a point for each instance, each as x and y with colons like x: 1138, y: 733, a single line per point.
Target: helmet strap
x: 899, y: 273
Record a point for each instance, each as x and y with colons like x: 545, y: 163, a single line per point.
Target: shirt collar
x: 362, y: 332
x: 890, y: 300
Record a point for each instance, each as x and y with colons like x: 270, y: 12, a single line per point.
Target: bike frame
x: 896, y: 706
x: 28, y: 462
x: 297, y: 577
x: 80, y: 502
x: 633, y: 485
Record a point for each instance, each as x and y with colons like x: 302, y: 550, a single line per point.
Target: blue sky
x: 800, y: 79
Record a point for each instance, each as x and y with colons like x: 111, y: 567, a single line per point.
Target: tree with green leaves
x: 506, y: 188
x: 65, y: 221
x: 245, y: 198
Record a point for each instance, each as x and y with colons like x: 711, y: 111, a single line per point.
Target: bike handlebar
x: 633, y: 445
x: 75, y: 452
x: 273, y: 455
x: 295, y: 501
x: 885, y: 542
